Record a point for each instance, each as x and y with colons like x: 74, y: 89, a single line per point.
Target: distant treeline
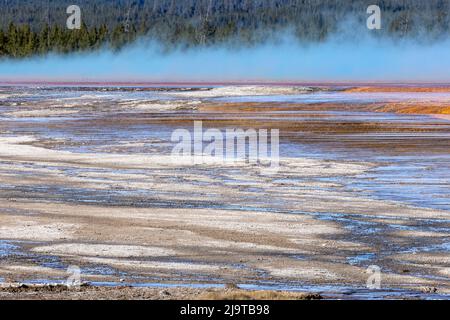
x: 30, y: 27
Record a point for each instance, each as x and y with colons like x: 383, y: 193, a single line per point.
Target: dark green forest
x: 36, y: 27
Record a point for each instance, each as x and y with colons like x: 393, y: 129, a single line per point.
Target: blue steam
x: 283, y: 60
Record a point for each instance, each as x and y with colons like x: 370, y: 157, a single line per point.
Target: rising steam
x: 285, y: 59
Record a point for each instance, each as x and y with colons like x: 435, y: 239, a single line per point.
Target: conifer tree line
x: 36, y: 27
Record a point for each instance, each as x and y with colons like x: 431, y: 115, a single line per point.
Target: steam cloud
x: 283, y: 60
